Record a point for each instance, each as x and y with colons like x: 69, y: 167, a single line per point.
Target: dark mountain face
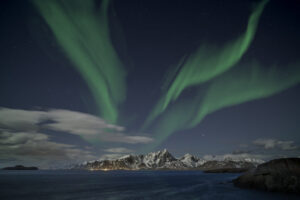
x: 227, y: 164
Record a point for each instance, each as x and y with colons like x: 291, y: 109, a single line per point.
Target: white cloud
x: 243, y: 145
x: 85, y: 125
x: 266, y: 143
x: 273, y: 143
x: 118, y: 150
x: 78, y: 123
x: 287, y: 145
x: 23, y: 139
x: 237, y: 157
x: 115, y: 153
x: 111, y: 156
x: 20, y: 119
x: 122, y: 138
x: 37, y: 149
x: 9, y: 138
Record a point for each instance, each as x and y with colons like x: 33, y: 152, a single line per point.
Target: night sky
x: 85, y: 80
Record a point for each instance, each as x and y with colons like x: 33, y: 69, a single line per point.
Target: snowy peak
x: 165, y: 156
x: 189, y: 157
x: 191, y: 161
x: 157, y: 159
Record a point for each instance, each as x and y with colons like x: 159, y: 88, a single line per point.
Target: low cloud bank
x: 77, y: 123
x: 273, y: 143
x: 24, y: 138
x: 33, y: 148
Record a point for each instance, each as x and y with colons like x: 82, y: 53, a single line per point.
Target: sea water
x: 131, y: 185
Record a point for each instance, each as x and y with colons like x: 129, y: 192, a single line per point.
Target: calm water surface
x: 115, y: 185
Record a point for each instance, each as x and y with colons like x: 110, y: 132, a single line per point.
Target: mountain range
x: 163, y: 160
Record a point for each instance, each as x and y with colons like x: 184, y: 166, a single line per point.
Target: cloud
x: 8, y: 138
x: 111, y: 156
x: 237, y: 157
x: 115, y: 153
x: 273, y: 143
x: 118, y: 150
x: 37, y: 148
x: 287, y: 145
x: 266, y: 143
x: 23, y: 137
x: 122, y: 138
x: 77, y: 123
x: 20, y: 119
x: 239, y: 151
x: 243, y: 145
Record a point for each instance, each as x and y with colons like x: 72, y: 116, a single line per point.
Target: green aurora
x: 239, y: 85
x: 84, y: 35
x: 206, y: 63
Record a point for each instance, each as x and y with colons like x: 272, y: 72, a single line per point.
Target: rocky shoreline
x: 279, y: 175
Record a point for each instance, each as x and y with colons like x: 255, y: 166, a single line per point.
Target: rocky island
x: 20, y: 167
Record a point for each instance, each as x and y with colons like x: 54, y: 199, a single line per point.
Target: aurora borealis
x: 84, y: 35
x: 250, y: 83
x: 209, y: 62
x: 205, y: 77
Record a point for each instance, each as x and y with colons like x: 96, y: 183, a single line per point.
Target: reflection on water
x: 117, y: 185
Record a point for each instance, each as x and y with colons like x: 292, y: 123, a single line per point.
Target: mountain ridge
x: 164, y: 160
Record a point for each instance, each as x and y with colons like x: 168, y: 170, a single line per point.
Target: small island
x: 20, y: 167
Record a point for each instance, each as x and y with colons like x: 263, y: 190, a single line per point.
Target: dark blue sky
x: 151, y: 37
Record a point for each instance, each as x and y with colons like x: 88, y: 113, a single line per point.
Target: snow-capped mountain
x: 191, y: 161
x: 163, y: 160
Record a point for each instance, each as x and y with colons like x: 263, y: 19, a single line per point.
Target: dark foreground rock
x: 20, y: 167
x: 279, y: 175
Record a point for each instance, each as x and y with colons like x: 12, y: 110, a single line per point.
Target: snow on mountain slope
x: 164, y: 160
